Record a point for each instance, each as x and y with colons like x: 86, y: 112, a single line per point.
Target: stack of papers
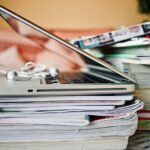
x: 120, y: 126
x: 138, y: 68
x: 74, y: 110
x: 62, y: 121
x: 133, y: 58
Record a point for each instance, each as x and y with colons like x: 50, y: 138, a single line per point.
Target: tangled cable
x: 31, y: 70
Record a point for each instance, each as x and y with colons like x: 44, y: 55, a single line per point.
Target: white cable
x: 31, y: 70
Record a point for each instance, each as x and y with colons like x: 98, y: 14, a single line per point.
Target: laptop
x: 96, y: 77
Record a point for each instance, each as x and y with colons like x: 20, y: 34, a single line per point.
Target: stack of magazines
x: 87, y: 122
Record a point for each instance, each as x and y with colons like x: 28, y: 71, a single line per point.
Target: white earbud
x: 11, y: 75
x: 54, y: 72
x: 14, y: 75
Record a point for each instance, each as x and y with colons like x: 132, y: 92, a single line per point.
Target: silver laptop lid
x: 29, y: 29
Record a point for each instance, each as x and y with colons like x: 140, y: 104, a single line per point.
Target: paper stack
x: 132, y: 58
x: 59, y: 122
x: 85, y: 121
